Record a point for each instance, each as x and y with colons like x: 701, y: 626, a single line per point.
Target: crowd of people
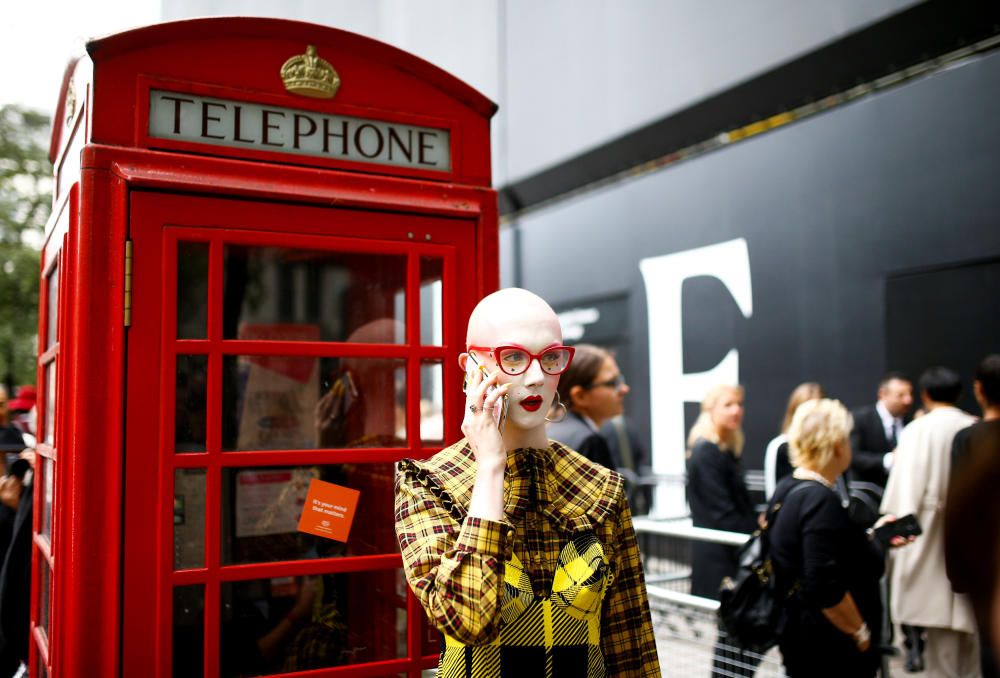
x: 839, y: 476
x: 525, y: 524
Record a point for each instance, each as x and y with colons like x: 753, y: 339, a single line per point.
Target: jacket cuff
x: 486, y: 537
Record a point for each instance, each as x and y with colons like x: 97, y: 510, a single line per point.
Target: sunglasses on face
x: 514, y: 360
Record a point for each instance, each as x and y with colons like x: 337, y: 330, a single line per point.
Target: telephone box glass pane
x: 43, y: 593
x: 192, y: 290
x: 316, y: 621
x: 189, y: 518
x: 312, y: 295
x: 261, y: 508
x: 53, y: 307
x: 189, y: 417
x: 431, y: 302
x: 296, y: 402
x: 189, y: 631
x: 50, y: 403
x: 431, y: 404
x: 48, y: 484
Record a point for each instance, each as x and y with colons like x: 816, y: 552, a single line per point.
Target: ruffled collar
x: 554, y: 479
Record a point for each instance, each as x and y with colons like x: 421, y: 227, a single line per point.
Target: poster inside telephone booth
x: 267, y: 238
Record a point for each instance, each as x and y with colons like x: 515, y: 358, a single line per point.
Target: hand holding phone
x: 482, y: 424
x: 500, y: 409
x: 905, y: 527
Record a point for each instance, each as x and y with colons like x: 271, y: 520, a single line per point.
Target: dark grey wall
x: 831, y: 208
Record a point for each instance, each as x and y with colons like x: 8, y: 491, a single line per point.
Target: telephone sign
x: 236, y: 124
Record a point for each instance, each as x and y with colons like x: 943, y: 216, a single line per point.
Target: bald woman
x: 521, y: 550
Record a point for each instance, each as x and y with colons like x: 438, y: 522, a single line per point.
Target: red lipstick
x: 531, y: 403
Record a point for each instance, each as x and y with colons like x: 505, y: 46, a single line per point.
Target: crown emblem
x: 310, y: 76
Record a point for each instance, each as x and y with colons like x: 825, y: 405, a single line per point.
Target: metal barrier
x: 690, y: 644
x: 688, y: 639
x: 665, y: 546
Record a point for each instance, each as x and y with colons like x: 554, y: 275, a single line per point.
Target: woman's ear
x: 844, y: 450
x: 462, y: 360
x: 576, y: 396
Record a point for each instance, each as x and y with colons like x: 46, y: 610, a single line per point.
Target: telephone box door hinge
x: 128, y: 283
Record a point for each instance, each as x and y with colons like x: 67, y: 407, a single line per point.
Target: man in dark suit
x: 877, y: 428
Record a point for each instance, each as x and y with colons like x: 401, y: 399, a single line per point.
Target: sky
x: 43, y: 35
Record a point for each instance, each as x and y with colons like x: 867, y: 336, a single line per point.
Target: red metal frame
x: 158, y: 223
x: 243, y: 54
x: 110, y: 556
x: 43, y: 551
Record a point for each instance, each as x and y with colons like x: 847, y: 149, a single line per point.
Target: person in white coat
x: 776, y: 461
x: 921, y: 594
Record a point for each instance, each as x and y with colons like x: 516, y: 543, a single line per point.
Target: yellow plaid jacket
x: 455, y: 563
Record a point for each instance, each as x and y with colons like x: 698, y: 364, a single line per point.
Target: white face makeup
x: 532, y: 391
x: 514, y: 317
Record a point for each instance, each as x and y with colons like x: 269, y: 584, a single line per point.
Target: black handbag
x: 750, y: 607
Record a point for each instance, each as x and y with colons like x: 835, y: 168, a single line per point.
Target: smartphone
x: 907, y: 526
x: 500, y: 410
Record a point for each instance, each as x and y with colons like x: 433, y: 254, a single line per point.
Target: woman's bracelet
x: 863, y: 634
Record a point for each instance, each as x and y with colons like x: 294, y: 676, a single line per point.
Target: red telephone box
x: 266, y: 240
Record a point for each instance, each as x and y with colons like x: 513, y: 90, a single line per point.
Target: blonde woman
x: 718, y: 498
x: 830, y: 565
x: 716, y: 491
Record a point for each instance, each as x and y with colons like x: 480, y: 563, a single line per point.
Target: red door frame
x: 88, y: 509
x: 158, y: 221
x: 55, y: 264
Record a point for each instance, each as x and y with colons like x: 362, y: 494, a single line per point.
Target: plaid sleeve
x: 627, y: 640
x: 455, y: 570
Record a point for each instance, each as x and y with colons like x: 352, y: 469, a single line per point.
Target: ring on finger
x: 473, y: 409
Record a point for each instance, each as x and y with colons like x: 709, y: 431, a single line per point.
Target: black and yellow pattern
x: 552, y: 637
x: 565, y: 518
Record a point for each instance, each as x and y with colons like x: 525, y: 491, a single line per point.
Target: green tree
x: 25, y: 203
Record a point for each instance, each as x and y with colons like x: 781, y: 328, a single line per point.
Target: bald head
x: 508, y: 312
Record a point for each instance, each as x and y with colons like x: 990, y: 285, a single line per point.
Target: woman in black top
x: 831, y: 567
x: 716, y: 491
x: 593, y: 392
x: 718, y: 498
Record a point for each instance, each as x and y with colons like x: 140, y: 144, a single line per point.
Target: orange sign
x: 329, y: 510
